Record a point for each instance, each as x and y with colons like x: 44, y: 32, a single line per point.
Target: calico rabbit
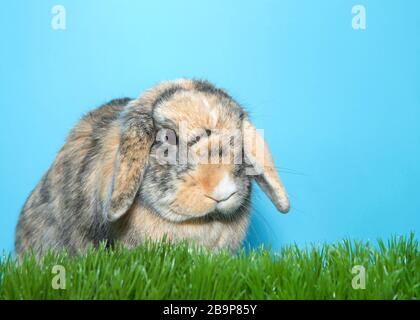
x: 108, y: 182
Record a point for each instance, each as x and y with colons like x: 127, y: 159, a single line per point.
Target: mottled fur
x: 106, y: 183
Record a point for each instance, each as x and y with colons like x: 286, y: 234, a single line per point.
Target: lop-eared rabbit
x: 108, y: 182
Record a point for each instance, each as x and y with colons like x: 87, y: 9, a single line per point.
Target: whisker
x: 268, y: 229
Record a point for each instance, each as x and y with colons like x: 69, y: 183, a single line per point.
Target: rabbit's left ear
x: 258, y: 154
x: 136, y: 139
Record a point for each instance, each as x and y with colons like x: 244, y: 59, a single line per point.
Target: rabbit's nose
x: 225, y: 189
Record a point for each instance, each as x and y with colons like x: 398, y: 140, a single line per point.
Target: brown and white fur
x: 106, y: 183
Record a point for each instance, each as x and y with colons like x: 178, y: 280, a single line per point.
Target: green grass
x: 165, y: 271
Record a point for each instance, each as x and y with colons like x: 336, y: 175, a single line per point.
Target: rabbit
x: 108, y: 182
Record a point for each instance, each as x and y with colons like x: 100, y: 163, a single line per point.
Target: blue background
x: 340, y: 107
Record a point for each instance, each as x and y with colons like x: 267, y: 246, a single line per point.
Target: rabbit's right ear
x: 137, y: 136
x: 257, y: 152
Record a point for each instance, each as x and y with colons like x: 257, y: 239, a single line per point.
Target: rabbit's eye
x: 194, y: 141
x: 198, y: 138
x: 171, y: 137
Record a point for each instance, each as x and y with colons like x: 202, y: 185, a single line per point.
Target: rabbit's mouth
x: 220, y: 210
x: 215, y: 215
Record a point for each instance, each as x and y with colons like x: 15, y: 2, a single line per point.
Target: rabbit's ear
x: 258, y: 154
x: 137, y: 136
